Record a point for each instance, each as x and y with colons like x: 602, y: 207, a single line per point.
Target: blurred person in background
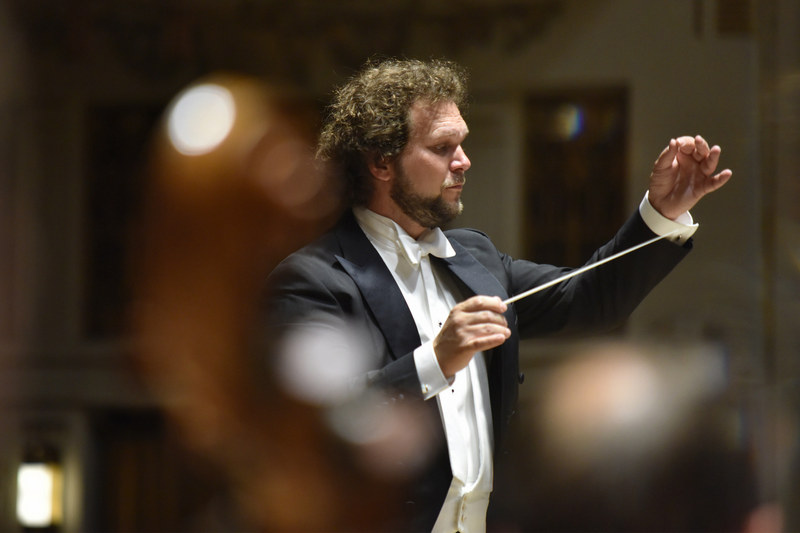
x: 430, y: 304
x: 619, y: 438
x: 233, y: 187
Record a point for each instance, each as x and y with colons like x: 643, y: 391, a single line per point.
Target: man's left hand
x: 684, y: 173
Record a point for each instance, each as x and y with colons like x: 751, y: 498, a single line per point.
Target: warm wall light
x: 39, y: 489
x: 201, y: 118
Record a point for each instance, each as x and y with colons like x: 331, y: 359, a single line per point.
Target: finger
x: 667, y: 155
x: 484, y: 344
x: 488, y: 340
x: 475, y: 320
x: 685, y: 157
x: 487, y: 317
x: 480, y: 303
x: 686, y: 162
x: 710, y: 164
x: 701, y: 149
x: 486, y: 330
x: 686, y: 144
x: 719, y: 180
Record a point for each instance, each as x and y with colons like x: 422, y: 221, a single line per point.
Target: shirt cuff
x: 683, y: 226
x: 431, y: 378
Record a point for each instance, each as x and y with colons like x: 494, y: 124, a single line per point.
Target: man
x: 431, y: 303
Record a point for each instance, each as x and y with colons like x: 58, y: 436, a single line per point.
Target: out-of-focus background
x: 571, y: 103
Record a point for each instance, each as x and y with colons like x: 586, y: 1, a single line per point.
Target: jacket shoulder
x: 468, y: 235
x: 472, y: 239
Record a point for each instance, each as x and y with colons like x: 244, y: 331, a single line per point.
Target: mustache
x: 458, y: 179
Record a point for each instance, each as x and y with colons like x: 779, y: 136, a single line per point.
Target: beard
x: 429, y: 212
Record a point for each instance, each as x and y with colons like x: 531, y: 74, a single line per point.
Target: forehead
x: 439, y: 119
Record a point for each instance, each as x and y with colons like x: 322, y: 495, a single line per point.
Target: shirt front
x: 463, y: 402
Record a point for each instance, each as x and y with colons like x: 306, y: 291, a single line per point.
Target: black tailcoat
x: 341, y: 274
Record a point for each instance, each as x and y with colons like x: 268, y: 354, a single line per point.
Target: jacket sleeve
x: 591, y: 302
x: 599, y: 299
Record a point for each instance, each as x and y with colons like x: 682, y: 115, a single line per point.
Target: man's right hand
x: 474, y: 325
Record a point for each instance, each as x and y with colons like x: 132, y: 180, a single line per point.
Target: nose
x: 461, y: 162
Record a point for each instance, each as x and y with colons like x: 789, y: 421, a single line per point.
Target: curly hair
x: 369, y: 115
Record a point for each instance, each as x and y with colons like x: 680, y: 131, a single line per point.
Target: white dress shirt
x: 661, y: 225
x: 463, y: 402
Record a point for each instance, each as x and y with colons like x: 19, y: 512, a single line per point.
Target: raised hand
x: 684, y: 173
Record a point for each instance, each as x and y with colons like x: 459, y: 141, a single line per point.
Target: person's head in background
x: 616, y: 439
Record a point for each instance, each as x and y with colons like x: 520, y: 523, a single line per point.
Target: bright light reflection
x: 38, y: 498
x: 320, y: 364
x: 201, y: 118
x: 569, y: 121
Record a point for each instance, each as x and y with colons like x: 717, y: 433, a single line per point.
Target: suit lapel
x: 503, y: 361
x: 472, y: 273
x: 382, y: 295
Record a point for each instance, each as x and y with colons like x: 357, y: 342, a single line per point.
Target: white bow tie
x: 432, y: 242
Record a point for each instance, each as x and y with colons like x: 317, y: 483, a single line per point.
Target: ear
x: 380, y: 167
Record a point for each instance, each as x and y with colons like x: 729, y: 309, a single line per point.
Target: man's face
x: 429, y: 173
